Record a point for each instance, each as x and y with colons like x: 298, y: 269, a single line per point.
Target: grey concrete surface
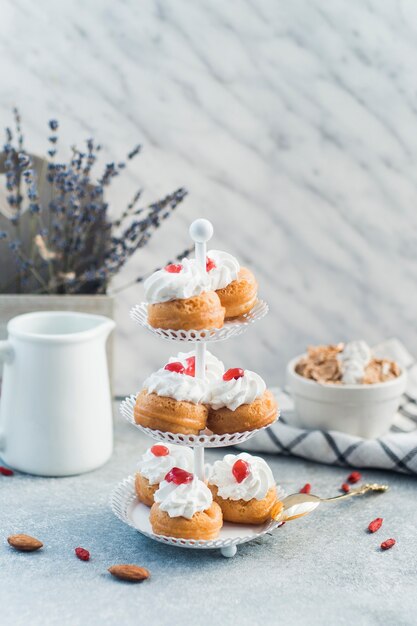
x: 324, y: 569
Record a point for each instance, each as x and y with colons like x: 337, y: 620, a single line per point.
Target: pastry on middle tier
x: 240, y: 402
x: 184, y: 508
x: 155, y: 464
x: 173, y: 398
x: 244, y: 487
x: 179, y: 298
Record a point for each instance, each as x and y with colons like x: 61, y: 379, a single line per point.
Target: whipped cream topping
x: 183, y: 500
x: 233, y: 393
x: 226, y: 270
x: 177, y: 386
x: 163, y: 286
x: 214, y: 367
x: 256, y: 485
x: 155, y: 468
x: 353, y: 359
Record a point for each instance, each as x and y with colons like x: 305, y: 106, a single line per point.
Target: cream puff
x: 244, y: 488
x: 179, y: 298
x: 173, y: 401
x: 155, y: 464
x: 240, y: 402
x: 184, y: 508
x: 236, y: 286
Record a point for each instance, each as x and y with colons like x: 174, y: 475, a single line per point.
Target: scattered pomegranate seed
x: 159, y: 450
x: 240, y: 470
x: 179, y: 476
x: 6, y: 471
x: 175, y: 367
x: 387, y: 544
x: 345, y: 487
x: 82, y: 554
x: 210, y: 264
x: 354, y: 477
x: 173, y: 269
x: 375, y: 525
x: 190, y: 369
x: 233, y: 372
x: 306, y: 488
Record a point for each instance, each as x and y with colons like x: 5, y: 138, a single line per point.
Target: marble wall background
x: 292, y: 124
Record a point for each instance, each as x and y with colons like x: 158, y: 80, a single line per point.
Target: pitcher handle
x: 6, y: 351
x: 6, y: 356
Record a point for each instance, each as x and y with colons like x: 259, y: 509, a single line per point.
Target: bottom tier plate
x: 127, y: 508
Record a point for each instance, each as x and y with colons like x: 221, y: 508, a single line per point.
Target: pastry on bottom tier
x: 155, y: 464
x: 184, y: 508
x: 196, y: 313
x: 240, y: 296
x: 240, y: 402
x: 169, y: 415
x: 244, y: 488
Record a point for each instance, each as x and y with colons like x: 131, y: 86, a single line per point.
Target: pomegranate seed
x: 173, y: 269
x: 5, y: 471
x: 233, y: 372
x: 190, y: 369
x: 82, y: 554
x: 306, y: 488
x: 210, y: 264
x: 345, y: 487
x: 175, y: 367
x: 375, y: 525
x: 354, y: 477
x: 240, y: 470
x: 159, y: 450
x: 387, y: 544
x: 179, y: 476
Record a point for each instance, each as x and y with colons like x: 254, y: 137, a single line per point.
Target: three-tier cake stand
x: 123, y: 501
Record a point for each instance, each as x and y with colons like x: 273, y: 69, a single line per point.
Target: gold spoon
x: 281, y: 511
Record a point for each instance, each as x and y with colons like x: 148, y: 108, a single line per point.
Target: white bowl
x: 362, y: 410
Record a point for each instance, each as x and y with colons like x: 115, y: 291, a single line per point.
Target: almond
x: 24, y: 543
x: 132, y: 573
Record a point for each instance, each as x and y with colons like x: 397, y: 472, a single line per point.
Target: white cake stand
x: 123, y: 500
x: 127, y: 508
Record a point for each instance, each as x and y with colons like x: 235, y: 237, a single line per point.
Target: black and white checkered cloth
x: 397, y: 450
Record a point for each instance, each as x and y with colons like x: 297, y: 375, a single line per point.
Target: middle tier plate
x: 206, y: 441
x: 232, y: 328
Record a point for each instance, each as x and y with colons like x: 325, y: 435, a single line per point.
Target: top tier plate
x: 237, y: 326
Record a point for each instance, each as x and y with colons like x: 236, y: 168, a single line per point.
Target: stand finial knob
x: 201, y: 230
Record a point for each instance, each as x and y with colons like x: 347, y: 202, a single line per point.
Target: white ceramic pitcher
x: 55, y: 403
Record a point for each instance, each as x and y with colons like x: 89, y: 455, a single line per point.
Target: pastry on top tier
x: 173, y: 401
x: 244, y: 487
x: 179, y: 298
x: 184, y: 508
x: 240, y: 402
x: 235, y: 286
x: 155, y: 464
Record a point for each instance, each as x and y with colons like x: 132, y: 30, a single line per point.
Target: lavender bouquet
x: 55, y: 233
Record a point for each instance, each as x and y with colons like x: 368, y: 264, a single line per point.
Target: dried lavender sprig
x: 140, y: 231
x: 129, y: 208
x: 78, y: 213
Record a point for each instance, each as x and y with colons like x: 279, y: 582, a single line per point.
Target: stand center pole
x: 201, y: 231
